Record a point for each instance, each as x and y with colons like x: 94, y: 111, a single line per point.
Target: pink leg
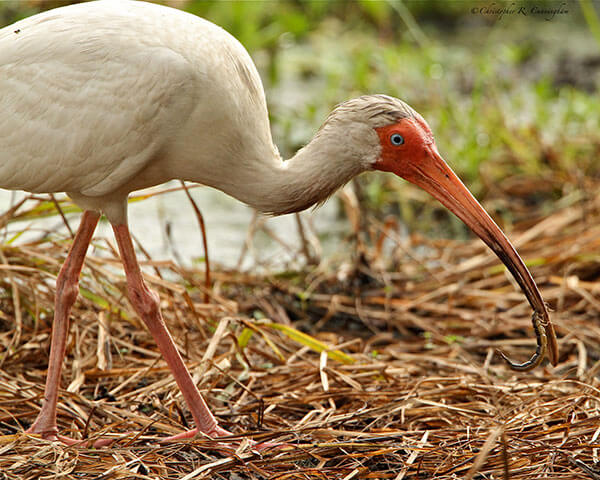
x: 66, y: 293
x: 146, y: 304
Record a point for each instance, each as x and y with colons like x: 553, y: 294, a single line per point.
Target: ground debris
x: 397, y: 378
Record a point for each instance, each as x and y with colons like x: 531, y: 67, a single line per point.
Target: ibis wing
x: 84, y: 112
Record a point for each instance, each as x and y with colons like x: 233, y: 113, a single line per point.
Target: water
x: 227, y: 224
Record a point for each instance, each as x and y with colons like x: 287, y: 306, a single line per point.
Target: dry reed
x: 408, y: 385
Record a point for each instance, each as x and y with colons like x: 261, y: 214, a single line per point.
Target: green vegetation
x: 511, y: 98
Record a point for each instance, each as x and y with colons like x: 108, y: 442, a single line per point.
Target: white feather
x: 103, y: 98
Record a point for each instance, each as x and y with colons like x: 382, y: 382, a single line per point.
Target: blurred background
x: 510, y: 90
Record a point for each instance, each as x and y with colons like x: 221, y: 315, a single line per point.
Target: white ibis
x: 100, y: 99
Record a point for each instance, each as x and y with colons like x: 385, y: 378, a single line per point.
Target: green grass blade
x: 102, y: 303
x: 311, y: 343
x: 245, y: 337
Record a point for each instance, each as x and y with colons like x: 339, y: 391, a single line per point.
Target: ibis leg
x: 66, y: 293
x: 146, y: 304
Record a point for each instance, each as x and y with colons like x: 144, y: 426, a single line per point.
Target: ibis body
x: 100, y: 99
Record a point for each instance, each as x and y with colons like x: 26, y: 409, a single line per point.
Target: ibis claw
x: 540, y: 351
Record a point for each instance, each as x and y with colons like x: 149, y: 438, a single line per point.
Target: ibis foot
x: 53, y: 436
x: 216, y: 434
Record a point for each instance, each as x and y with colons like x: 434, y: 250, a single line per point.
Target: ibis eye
x: 396, y: 139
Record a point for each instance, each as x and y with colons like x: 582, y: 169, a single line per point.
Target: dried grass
x: 413, y: 391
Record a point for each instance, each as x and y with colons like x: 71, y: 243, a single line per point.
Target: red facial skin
x: 418, y: 161
x: 417, y: 140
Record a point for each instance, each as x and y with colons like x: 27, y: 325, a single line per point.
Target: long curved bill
x: 434, y: 176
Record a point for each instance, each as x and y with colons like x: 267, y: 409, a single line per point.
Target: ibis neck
x: 308, y: 178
